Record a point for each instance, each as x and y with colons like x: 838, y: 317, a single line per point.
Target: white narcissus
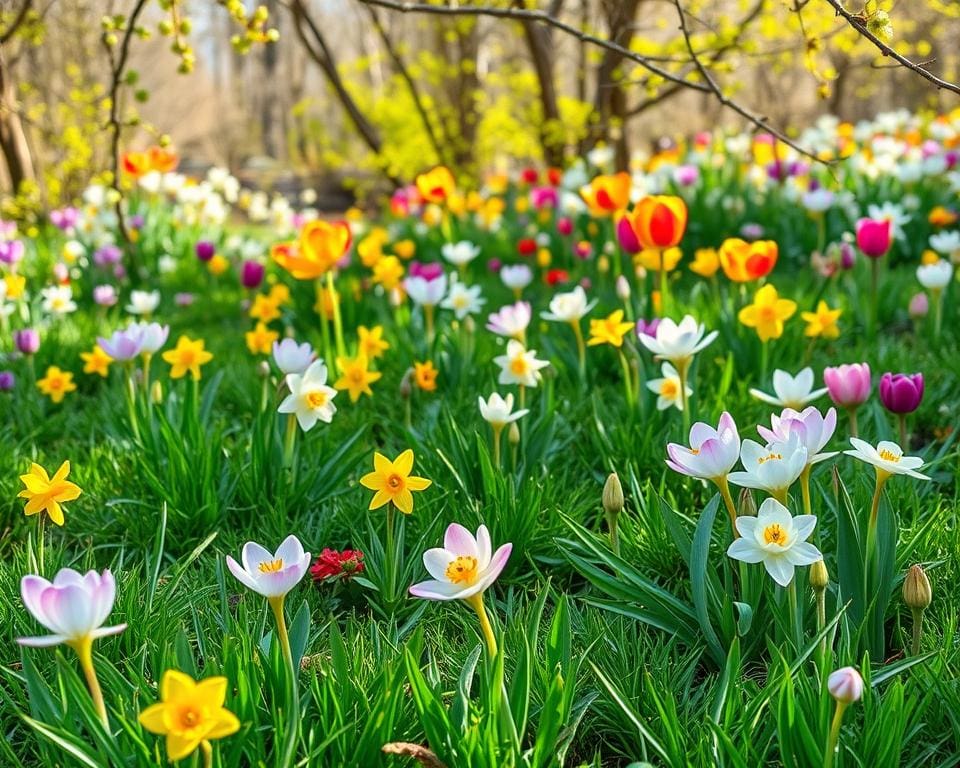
x: 936, y: 276
x: 58, y: 299
x: 498, y: 411
x: 271, y: 575
x: 668, y: 388
x: 777, y: 539
x: 463, y: 567
x: 887, y: 457
x: 73, y: 607
x: 464, y: 299
x: 519, y: 365
x: 510, y: 321
x: 310, y: 399
x: 516, y: 276
x: 143, y: 302
x: 460, y: 254
x: 791, y: 391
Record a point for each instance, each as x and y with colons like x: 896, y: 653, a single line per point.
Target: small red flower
x: 529, y: 176
x: 556, y: 276
x: 331, y: 564
x: 527, y: 246
x: 554, y: 177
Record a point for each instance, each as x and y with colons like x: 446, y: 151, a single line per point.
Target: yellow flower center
x: 355, y: 375
x: 770, y: 457
x: 463, y: 570
x: 272, y: 566
x: 695, y: 451
x: 889, y: 456
x: 395, y: 482
x: 774, y: 534
x: 316, y: 399
x: 668, y: 388
x: 56, y: 382
x: 188, y: 717
x: 518, y: 366
x: 187, y: 357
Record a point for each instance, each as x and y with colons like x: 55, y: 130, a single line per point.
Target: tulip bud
x: 263, y: 369
x: 613, y: 495
x: 747, y: 506
x: 513, y: 434
x: 819, y: 577
x: 623, y: 288
x: 917, y: 593
x: 845, y: 685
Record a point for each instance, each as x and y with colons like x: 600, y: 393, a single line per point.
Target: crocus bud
x: 513, y: 434
x: 901, y: 392
x: 919, y: 305
x: 747, y: 505
x: 623, y: 288
x: 819, y: 577
x: 917, y: 593
x: 874, y: 237
x: 263, y: 369
x: 613, y: 495
x: 847, y: 256
x: 7, y: 381
x: 251, y: 274
x: 845, y: 685
x: 848, y: 385
x: 27, y: 341
x: 156, y: 393
x: 205, y: 250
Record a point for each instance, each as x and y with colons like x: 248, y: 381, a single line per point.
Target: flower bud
x: 263, y: 369
x: 156, y: 393
x: 819, y: 577
x: 845, y: 685
x: 613, y: 495
x: 406, y: 384
x: 747, y: 506
x: 623, y: 288
x: 513, y: 434
x: 917, y: 593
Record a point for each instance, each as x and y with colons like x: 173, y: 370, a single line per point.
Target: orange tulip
x: 657, y: 222
x: 162, y: 160
x: 743, y: 262
x: 437, y: 185
x: 135, y: 164
x: 606, y: 195
x: 320, y: 246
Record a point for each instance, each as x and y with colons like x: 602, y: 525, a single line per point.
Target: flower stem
x: 795, y: 613
x: 852, y: 413
x: 207, y: 751
x: 937, y: 314
x: 821, y: 597
x: 497, y: 430
x: 917, y: 630
x: 290, y: 441
x: 132, y: 403
x: 84, y: 649
x: 805, y: 490
x: 476, y: 602
x: 684, y: 401
x: 627, y: 378
x: 40, y: 532
x: 902, y: 425
x: 428, y: 319
x: 276, y: 605
x: 872, y: 524
x: 834, y: 736
x: 581, y: 348
x: 724, y: 487
x: 337, y: 322
x: 390, y: 554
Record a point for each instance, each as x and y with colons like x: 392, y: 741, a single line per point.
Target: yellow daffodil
x: 16, y: 284
x: 823, y: 322
x: 706, y: 262
x: 425, y: 376
x: 218, y: 265
x: 265, y: 308
x: 650, y: 259
x: 260, y: 339
x: 56, y: 384
x: 355, y: 377
x: 372, y: 344
x: 388, y: 272
x: 370, y: 249
x: 46, y: 494
x: 96, y: 361
x: 279, y: 294
x: 610, y: 330
x: 767, y: 313
x: 392, y: 481
x: 436, y: 185
x: 186, y: 357
x: 190, y: 713
x: 405, y: 249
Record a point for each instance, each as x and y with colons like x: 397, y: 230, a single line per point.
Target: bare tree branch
x: 757, y: 120
x: 858, y: 22
x: 18, y: 20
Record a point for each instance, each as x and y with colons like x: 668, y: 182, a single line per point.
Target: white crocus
x: 464, y: 300
x: 668, y: 389
x: 936, y: 276
x: 777, y: 539
x: 463, y: 567
x: 516, y: 276
x: 426, y: 293
x: 519, y: 365
x: 291, y: 357
x: 887, y: 457
x: 791, y: 391
x: 143, y: 302
x: 498, y: 411
x: 946, y: 243
x: 569, y: 307
x: 271, y: 575
x: 460, y: 254
x: 678, y: 342
x: 772, y: 468
x: 813, y: 429
x: 58, y: 300
x: 510, y: 321
x: 310, y: 399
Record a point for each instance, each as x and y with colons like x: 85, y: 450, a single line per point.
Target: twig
x: 859, y: 24
x: 14, y: 25
x: 714, y: 87
x: 522, y: 14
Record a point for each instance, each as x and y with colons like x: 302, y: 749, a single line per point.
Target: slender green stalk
x: 207, y: 751
x: 390, y: 554
x: 795, y: 613
x: 132, y: 402
x: 882, y: 477
x: 581, y: 348
x: 497, y: 431
x: 834, y: 735
x: 852, y: 413
x: 902, y: 427
x: 290, y: 441
x: 821, y: 598
x: 40, y: 537
x: 684, y: 400
x: 917, y: 630
x: 627, y: 378
x: 724, y: 487
x: 337, y: 322
x: 84, y: 650
x: 476, y: 602
x: 276, y: 605
x: 805, y: 490
x: 428, y: 319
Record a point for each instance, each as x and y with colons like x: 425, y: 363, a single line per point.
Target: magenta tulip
x: 901, y: 394
x: 874, y: 237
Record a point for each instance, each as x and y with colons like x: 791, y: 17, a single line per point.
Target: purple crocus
x: 65, y: 218
x: 648, y: 328
x: 901, y: 392
x: 205, y: 250
x: 11, y: 251
x: 124, y: 345
x: 7, y: 381
x: 106, y: 255
x: 105, y: 295
x: 251, y: 274
x: 429, y: 271
x: 183, y: 299
x: 27, y: 341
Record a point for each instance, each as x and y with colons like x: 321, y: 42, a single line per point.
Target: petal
x: 404, y: 501
x: 227, y: 724
x: 415, y: 483
x: 179, y: 747
x: 252, y: 555
x: 403, y: 464
x: 497, y: 563
x: 436, y: 590
x: 46, y: 641
x: 290, y: 550
x: 780, y: 570
x: 241, y: 575
x: 745, y: 550
x: 176, y: 685
x: 484, y: 547
x: 152, y: 718
x: 436, y: 560
x: 212, y: 692
x: 803, y: 553
x: 31, y: 588
x: 459, y: 541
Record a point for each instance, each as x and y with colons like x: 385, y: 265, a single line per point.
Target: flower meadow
x: 555, y: 468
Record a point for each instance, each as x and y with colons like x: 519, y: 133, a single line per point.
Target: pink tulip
x: 874, y: 237
x: 848, y: 387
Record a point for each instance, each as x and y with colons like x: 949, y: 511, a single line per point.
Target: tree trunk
x: 540, y: 44
x: 13, y: 139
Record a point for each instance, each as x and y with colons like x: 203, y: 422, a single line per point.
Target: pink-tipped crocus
x: 848, y: 386
x: 273, y: 576
x: 874, y: 237
x: 74, y: 608
x: 712, y: 454
x: 463, y: 569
